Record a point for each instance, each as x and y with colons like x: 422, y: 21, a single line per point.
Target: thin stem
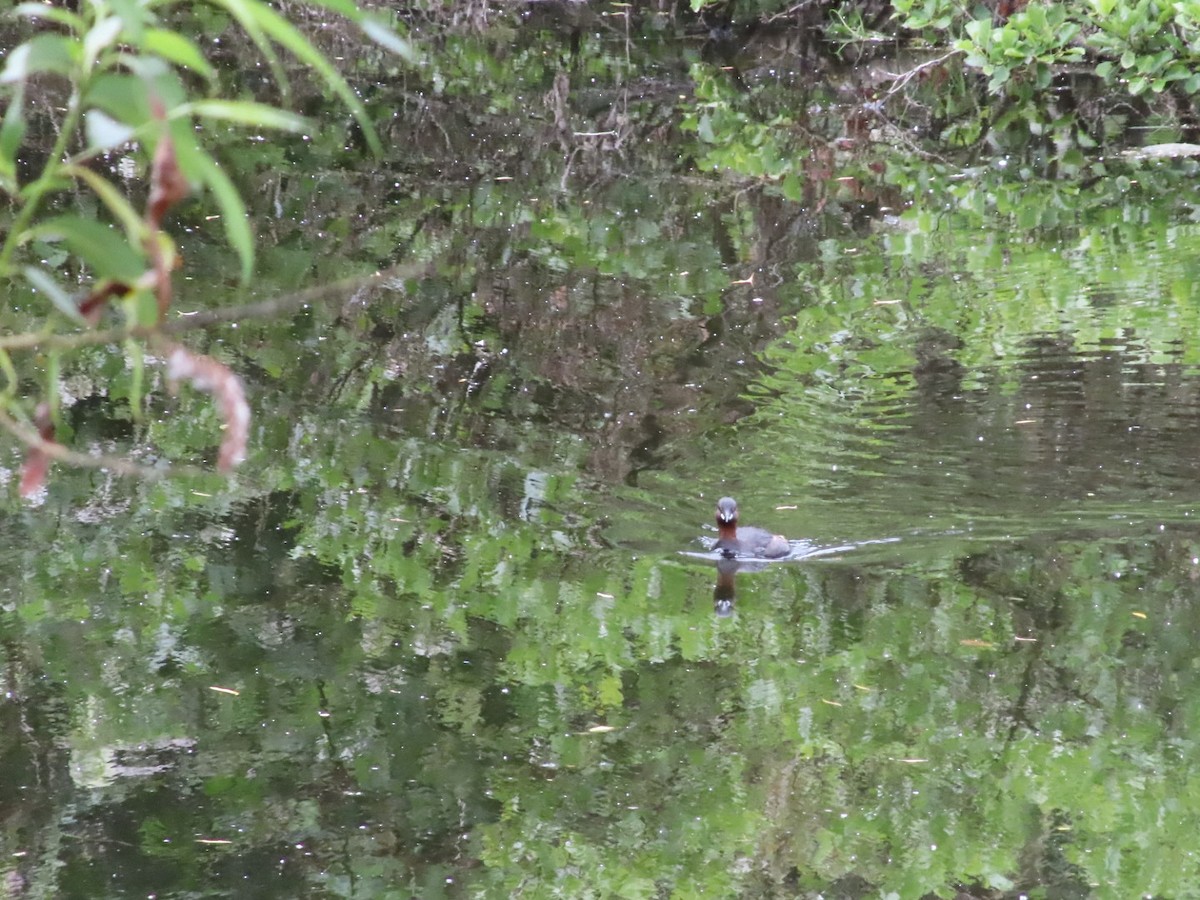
x: 10, y: 374
x: 263, y: 309
x: 119, y: 465
x: 42, y: 186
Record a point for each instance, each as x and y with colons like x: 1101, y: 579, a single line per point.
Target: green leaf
x: 176, y: 48
x: 265, y: 20
x: 11, y: 379
x: 980, y: 31
x: 45, y: 284
x: 42, y: 53
x: 244, y: 12
x: 100, y: 37
x: 134, y: 18
x: 104, y: 249
x: 345, y: 8
x: 233, y: 210
x: 123, y: 97
x: 50, y: 14
x: 135, y: 353
x: 158, y: 76
x: 371, y: 25
x: 1000, y: 77
x: 53, y: 375
x: 105, y: 132
x: 388, y: 39
x: 136, y: 231
x: 247, y: 113
x: 12, y: 130
x: 140, y: 307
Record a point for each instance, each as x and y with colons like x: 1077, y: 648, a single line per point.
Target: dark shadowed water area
x: 453, y: 629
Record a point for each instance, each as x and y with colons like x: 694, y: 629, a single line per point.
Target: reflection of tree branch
x: 899, y: 81
x: 118, y: 464
x: 42, y: 448
x: 1020, y: 709
x: 263, y: 309
x: 789, y: 12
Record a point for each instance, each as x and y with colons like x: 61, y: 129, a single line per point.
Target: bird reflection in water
x: 725, y: 593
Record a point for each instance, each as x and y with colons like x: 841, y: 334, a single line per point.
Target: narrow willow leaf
x: 176, y: 48
x: 41, y: 53
x: 233, y: 210
x: 12, y: 130
x: 388, y: 39
x: 101, y: 36
x: 247, y: 113
x: 137, y: 377
x: 123, y: 97
x: 106, y: 251
x: 243, y: 11
x: 103, y: 131
x: 374, y: 28
x: 140, y: 308
x: 51, y: 14
x: 146, y: 66
x: 198, y: 165
x: 136, y: 231
x: 53, y: 391
x: 45, y: 284
x: 10, y: 374
x: 16, y: 66
x: 345, y: 8
x: 134, y: 18
x: 286, y: 34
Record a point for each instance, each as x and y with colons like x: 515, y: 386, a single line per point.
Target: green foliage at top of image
x: 124, y: 65
x: 1135, y: 49
x: 1135, y: 46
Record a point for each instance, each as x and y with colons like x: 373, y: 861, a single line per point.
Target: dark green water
x: 438, y: 637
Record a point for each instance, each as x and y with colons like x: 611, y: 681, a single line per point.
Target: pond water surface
x: 451, y: 629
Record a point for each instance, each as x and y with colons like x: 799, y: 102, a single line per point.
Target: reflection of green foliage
x: 760, y: 141
x: 467, y: 663
x: 417, y: 650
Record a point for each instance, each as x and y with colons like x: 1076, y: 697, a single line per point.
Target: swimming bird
x: 747, y: 540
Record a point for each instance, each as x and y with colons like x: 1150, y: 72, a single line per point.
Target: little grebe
x: 747, y: 541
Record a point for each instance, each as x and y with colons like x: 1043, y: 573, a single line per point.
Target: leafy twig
x: 262, y: 309
x: 120, y: 465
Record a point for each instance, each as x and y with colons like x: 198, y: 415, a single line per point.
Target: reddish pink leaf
x: 37, y: 462
x: 207, y: 374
